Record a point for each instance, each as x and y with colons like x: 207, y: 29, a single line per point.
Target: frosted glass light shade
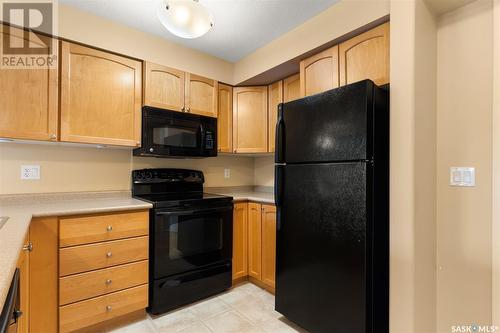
x: 185, y: 18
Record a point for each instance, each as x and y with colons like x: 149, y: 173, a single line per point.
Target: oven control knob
x: 151, y: 150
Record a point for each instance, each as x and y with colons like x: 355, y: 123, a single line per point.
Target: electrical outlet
x: 227, y: 173
x: 30, y: 172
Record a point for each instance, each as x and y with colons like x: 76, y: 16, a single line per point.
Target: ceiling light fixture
x: 185, y: 18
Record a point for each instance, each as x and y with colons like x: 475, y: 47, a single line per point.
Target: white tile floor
x: 244, y: 309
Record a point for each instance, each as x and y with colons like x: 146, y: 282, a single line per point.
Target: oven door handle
x: 197, y: 211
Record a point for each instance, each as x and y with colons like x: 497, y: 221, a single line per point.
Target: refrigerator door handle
x: 280, y: 136
x: 278, y: 193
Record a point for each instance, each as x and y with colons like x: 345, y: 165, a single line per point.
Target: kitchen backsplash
x: 76, y: 169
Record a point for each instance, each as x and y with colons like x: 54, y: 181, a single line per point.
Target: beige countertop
x: 22, y: 208
x: 263, y: 195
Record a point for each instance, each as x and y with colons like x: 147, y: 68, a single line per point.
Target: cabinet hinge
x: 28, y: 247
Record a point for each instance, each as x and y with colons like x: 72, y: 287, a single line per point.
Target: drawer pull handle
x: 108, y: 308
x: 108, y: 281
x: 109, y: 254
x: 109, y: 228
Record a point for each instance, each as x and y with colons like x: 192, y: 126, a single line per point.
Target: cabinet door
x: 201, y: 95
x: 163, y: 87
x: 101, y: 97
x: 269, y: 245
x: 28, y: 108
x: 24, y: 284
x: 250, y: 119
x: 225, y: 119
x: 366, y: 56
x: 320, y: 72
x: 291, y: 88
x: 240, y: 240
x: 44, y: 275
x: 275, y: 92
x: 255, y: 240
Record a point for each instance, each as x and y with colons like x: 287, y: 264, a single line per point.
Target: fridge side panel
x: 321, y: 262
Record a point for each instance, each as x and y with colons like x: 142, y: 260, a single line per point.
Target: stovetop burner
x: 166, y: 188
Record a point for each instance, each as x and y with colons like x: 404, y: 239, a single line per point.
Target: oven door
x: 191, y: 238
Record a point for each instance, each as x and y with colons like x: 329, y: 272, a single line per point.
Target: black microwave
x: 173, y: 134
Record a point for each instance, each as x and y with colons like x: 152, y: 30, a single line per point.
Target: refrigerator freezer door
x: 321, y: 239
x: 336, y: 125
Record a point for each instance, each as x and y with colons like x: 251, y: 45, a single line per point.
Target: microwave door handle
x: 202, y: 133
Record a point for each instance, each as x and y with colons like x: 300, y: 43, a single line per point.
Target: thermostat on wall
x: 465, y: 177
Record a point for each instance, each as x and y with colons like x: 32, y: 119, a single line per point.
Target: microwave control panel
x: 209, y: 140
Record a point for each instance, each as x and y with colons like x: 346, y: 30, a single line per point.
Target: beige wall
x: 496, y: 166
x: 334, y: 22
x: 93, y: 30
x: 264, y: 171
x: 74, y: 169
x: 464, y: 137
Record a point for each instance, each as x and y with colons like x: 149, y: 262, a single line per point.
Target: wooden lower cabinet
x: 75, y: 287
x: 240, y: 240
x: 255, y: 240
x: 95, y: 310
x: 254, y: 243
x: 24, y: 284
x: 269, y: 245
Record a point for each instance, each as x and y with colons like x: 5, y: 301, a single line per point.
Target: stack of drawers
x: 103, y: 267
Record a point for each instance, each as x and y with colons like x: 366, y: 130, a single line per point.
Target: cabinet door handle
x: 53, y: 136
x: 108, y: 281
x: 28, y: 247
x: 108, y: 308
x: 183, y: 109
x: 109, y: 255
x: 109, y: 228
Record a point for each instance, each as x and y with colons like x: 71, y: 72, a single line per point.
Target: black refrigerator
x: 332, y: 199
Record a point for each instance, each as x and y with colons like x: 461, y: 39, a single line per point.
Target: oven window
x: 192, y: 235
x: 175, y: 137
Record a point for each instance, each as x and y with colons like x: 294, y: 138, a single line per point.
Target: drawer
x: 95, y: 310
x: 82, y: 286
x: 85, y: 229
x: 83, y: 258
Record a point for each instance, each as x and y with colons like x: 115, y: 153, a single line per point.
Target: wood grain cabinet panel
x: 275, y: 92
x: 255, y: 240
x: 89, y: 312
x: 101, y: 97
x: 225, y: 119
x: 269, y: 245
x: 29, y: 97
x: 201, y: 95
x: 366, y: 56
x: 250, y: 118
x: 240, y: 240
x: 84, y: 229
x: 163, y: 87
x: 320, y: 72
x: 83, y: 258
x: 82, y: 286
x: 291, y: 88
x: 43, y: 269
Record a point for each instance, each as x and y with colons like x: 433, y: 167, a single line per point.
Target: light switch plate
x: 227, y: 173
x: 30, y: 172
x: 462, y: 177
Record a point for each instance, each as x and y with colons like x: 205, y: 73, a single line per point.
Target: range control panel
x: 167, y: 176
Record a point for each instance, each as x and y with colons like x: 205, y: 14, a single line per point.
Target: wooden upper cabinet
x: 250, y: 119
x: 275, y: 92
x: 269, y: 245
x: 101, y: 97
x: 225, y: 119
x: 320, y: 72
x: 255, y: 240
x: 366, y: 56
x: 291, y: 88
x: 163, y: 87
x: 201, y: 95
x: 240, y: 240
x: 28, y: 108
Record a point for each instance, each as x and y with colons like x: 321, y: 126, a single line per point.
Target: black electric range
x: 190, y: 237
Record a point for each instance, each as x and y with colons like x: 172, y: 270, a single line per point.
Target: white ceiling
x: 241, y: 26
